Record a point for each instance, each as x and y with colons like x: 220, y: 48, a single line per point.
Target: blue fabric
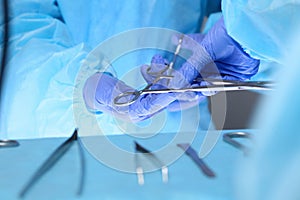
x: 186, y: 180
x: 212, y: 19
x: 18, y: 7
x: 263, y: 28
x: 270, y: 30
x: 48, y: 43
x: 100, y: 20
x: 213, y: 6
x: 272, y: 171
x: 40, y: 76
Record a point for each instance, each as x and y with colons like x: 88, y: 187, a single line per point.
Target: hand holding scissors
x: 167, y: 87
x: 163, y: 72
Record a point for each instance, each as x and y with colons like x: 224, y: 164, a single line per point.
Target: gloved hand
x: 183, y: 100
x: 228, y: 55
x: 232, y: 64
x: 216, y: 47
x: 101, y: 89
x: 215, y: 55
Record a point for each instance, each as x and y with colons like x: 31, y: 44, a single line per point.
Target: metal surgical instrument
x: 6, y: 9
x: 154, y: 159
x: 229, y: 138
x: 213, y: 85
x: 132, y: 96
x: 193, y: 154
x: 53, y: 159
x: 8, y: 143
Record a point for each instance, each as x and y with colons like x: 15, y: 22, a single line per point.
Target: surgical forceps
x: 159, y: 76
x: 153, y: 158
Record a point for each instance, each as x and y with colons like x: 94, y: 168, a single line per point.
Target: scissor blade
x: 211, y: 88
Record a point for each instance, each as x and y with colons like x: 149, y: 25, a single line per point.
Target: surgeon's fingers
x: 144, y: 107
x: 148, y: 105
x: 184, y: 76
x: 101, y: 89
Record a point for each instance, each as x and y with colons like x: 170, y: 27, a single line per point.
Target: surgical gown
x: 270, y: 30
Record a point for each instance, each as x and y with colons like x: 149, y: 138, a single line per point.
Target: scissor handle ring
x: 159, y: 73
x: 135, y: 94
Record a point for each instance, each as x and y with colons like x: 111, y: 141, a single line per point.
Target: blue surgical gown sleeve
x: 272, y: 170
x: 18, y: 7
x: 270, y: 30
x: 263, y: 28
x: 39, y: 80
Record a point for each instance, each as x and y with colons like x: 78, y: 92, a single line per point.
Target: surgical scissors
x: 132, y: 96
x: 213, y: 85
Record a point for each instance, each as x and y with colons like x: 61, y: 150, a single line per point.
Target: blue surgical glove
x: 183, y: 100
x: 213, y: 56
x: 228, y: 55
x: 101, y: 89
x: 215, y: 48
